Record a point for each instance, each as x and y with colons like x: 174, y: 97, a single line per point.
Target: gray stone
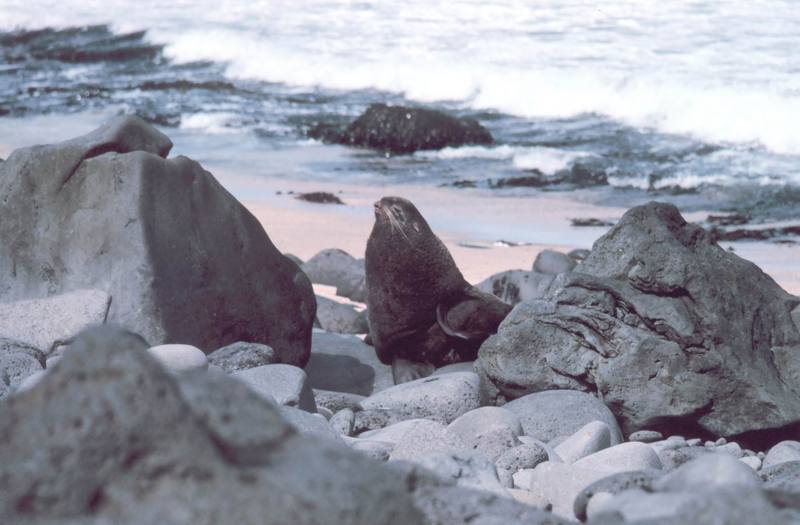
x: 592, y: 437
x: 309, y: 424
x: 751, y: 461
x: 243, y: 424
x: 342, y: 422
x: 516, y: 286
x: 179, y: 358
x: 183, y: 260
x: 424, y: 438
x: 621, y: 458
x: 553, y: 262
x: 613, y: 484
x: 334, y: 267
x: 579, y: 254
x: 441, y: 398
x: 735, y: 450
x: 784, y: 476
x: 551, y: 452
x: 646, y: 436
x: 343, y: 363
x: 29, y: 382
x: 672, y: 329
x: 241, y: 356
x: 675, y: 457
x: 546, y: 415
x: 286, y: 384
x: 18, y: 361
x: 637, y: 504
x: 466, y: 469
x: 463, y: 366
x: 394, y: 432
x: 340, y: 318
x: 374, y: 449
x: 47, y: 322
x: 781, y: 452
x: 707, y: 470
x: 525, y: 456
x: 336, y: 401
x: 489, y: 430
x: 560, y: 483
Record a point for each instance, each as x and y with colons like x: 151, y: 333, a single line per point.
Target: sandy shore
x: 469, y: 221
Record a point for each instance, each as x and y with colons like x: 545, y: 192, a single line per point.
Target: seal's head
x: 399, y: 216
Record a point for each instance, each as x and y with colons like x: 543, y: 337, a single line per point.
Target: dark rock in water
x: 464, y: 184
x: 242, y: 356
x: 754, y: 234
x: 579, y: 175
x: 674, y: 333
x: 183, y: 260
x: 320, y: 197
x: 733, y: 219
x: 590, y: 222
x: 334, y: 267
x: 17, y: 362
x: 515, y: 286
x: 399, y: 130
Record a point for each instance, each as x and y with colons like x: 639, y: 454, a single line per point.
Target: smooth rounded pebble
x: 242, y: 356
x: 179, y: 358
x: 552, y: 413
x: 471, y: 424
x: 560, y: 484
x: 392, y: 433
x: 646, y: 436
x: 342, y: 422
x: 30, y: 381
x: 621, y: 458
x: 441, y: 398
x: 377, y: 450
x: 466, y: 468
x: 552, y: 262
x: 636, y: 504
x: 593, y: 437
x: 782, y: 452
x: 752, y: 462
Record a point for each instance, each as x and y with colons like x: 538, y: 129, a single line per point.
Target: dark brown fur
x: 411, y: 275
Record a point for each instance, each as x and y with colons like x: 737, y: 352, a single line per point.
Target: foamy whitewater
x: 669, y: 97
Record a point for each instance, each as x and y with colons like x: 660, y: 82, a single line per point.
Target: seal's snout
x: 378, y: 208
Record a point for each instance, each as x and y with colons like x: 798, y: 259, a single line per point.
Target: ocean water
x: 692, y: 101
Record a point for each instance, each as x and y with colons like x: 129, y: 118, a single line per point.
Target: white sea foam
x: 208, y: 122
x: 546, y: 160
x: 721, y: 72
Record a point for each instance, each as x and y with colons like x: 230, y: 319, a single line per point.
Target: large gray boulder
x: 666, y: 326
x: 48, y: 322
x: 183, y: 260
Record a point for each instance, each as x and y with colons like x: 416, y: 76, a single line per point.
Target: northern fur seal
x: 422, y: 312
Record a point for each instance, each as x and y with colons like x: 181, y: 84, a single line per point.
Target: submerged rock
x: 669, y: 328
x: 399, y: 130
x: 320, y: 197
x: 184, y: 261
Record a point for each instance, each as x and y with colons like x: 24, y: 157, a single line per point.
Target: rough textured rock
x: 309, y: 424
x: 285, y: 384
x: 45, y: 323
x: 466, y: 469
x: 560, y: 483
x: 377, y: 450
x: 183, y: 260
x: 18, y: 361
x: 782, y: 476
x: 441, y: 398
x: 668, y: 327
x: 336, y: 401
x: 516, y: 286
x: 342, y: 422
x: 340, y: 318
x: 426, y: 438
x: 338, y: 268
x: 488, y: 430
x: 546, y: 415
x: 343, y: 363
x: 525, y: 456
x: 553, y: 262
x: 398, y: 130
x: 241, y: 356
x: 710, y: 469
x: 613, y: 484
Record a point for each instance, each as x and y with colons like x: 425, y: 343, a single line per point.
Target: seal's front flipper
x: 404, y: 370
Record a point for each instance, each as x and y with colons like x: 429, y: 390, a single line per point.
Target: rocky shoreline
x: 163, y: 362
